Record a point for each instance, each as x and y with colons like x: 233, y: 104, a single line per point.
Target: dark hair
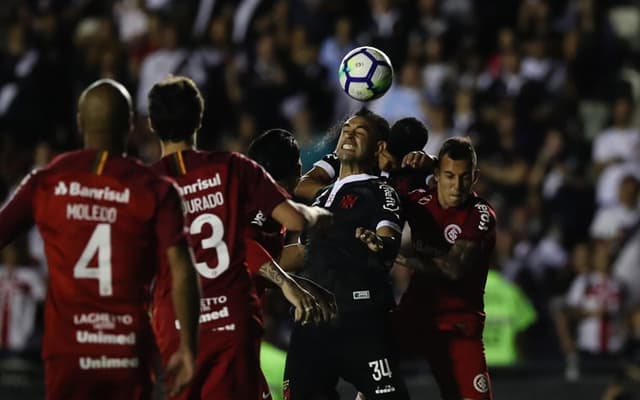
x: 277, y: 151
x: 175, y: 108
x: 459, y: 148
x: 379, y: 124
x: 407, y: 135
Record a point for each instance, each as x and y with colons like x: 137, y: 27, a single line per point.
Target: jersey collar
x: 341, y: 182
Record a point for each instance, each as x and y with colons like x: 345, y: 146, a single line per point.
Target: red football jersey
x: 103, y: 219
x: 434, y: 230
x: 221, y: 193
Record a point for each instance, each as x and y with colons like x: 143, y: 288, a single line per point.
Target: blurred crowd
x: 547, y: 90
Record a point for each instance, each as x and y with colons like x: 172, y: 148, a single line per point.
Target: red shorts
x: 96, y: 377
x: 452, y: 344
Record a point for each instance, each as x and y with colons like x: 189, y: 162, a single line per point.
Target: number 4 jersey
x: 221, y: 192
x: 103, y: 219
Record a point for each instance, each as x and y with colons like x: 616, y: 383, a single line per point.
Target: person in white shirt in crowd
x: 610, y: 222
x: 21, y: 288
x: 616, y: 152
x: 596, y: 301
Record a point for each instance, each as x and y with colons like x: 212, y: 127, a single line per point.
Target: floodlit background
x: 547, y: 90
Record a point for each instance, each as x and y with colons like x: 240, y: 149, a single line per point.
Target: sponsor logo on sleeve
x: 485, y: 216
x: 259, y: 219
x: 390, y: 200
x: 451, y: 233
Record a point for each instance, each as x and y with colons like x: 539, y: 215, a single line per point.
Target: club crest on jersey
x: 348, y: 201
x: 480, y: 383
x: 451, y: 233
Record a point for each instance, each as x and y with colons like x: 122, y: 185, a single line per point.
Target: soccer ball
x: 365, y: 73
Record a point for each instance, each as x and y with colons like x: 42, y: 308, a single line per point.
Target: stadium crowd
x: 547, y: 91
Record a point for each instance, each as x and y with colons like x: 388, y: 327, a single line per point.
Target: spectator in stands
x: 610, y: 222
x: 616, y: 152
x: 597, y: 302
x: 21, y: 288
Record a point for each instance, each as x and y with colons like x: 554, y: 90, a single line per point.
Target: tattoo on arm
x: 454, y: 264
x: 273, y: 272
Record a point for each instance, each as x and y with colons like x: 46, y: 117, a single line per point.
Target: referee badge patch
x: 361, y: 295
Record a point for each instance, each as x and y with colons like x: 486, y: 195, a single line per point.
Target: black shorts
x: 356, y: 348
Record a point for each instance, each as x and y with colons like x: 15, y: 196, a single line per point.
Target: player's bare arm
x: 186, y: 300
x: 419, y: 160
x: 311, y: 183
x: 292, y: 257
x: 453, y: 265
x: 298, y: 217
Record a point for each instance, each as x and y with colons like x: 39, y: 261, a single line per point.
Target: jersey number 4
x: 212, y: 242
x: 99, y: 242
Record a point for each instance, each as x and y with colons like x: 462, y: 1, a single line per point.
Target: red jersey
x: 221, y: 192
x: 434, y: 230
x: 102, y: 218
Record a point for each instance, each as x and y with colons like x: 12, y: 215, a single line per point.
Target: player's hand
x: 180, y: 371
x: 418, y: 160
x: 370, y: 238
x: 326, y: 301
x: 304, y: 303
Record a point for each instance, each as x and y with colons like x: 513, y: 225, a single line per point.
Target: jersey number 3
x: 99, y: 242
x: 212, y: 242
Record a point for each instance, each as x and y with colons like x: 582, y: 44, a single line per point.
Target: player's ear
x: 79, y: 122
x: 476, y: 175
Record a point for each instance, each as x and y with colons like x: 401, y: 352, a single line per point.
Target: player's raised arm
x: 298, y: 217
x: 319, y: 176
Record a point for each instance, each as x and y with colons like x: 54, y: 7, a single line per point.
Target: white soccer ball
x: 365, y: 73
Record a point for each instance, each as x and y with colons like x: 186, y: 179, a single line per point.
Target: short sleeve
x: 261, y: 192
x: 169, y: 217
x: 330, y: 163
x: 16, y: 215
x: 480, y: 225
x: 389, y: 212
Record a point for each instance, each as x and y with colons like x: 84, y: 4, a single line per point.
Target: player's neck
x: 103, y: 142
x: 351, y: 168
x: 174, y: 147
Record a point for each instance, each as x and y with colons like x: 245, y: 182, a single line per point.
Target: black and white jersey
x: 341, y: 262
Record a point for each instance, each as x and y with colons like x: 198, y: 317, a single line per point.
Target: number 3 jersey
x: 103, y: 219
x: 221, y: 192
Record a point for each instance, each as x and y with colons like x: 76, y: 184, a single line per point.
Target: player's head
x: 362, y: 138
x: 278, y: 152
x: 105, y: 115
x: 175, y: 109
x: 407, y: 135
x: 456, y: 171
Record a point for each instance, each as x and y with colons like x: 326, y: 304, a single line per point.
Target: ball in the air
x: 365, y: 73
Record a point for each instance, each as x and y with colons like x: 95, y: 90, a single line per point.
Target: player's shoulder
x: 70, y: 160
x: 422, y: 196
